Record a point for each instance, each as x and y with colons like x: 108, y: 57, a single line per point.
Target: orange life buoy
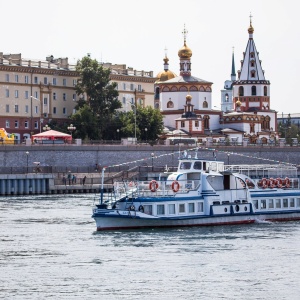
x: 287, y: 182
x: 272, y: 183
x: 264, y: 183
x: 279, y: 182
x: 153, y: 186
x: 175, y: 186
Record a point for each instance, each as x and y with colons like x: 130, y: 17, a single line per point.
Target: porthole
x: 237, y: 208
x: 245, y: 208
x: 225, y: 209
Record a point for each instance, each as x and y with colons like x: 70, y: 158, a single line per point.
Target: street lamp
x: 27, y: 155
x: 152, y: 157
x: 71, y: 128
x: 46, y: 128
x: 146, y: 130
x: 118, y: 131
x: 134, y: 120
x: 228, y: 154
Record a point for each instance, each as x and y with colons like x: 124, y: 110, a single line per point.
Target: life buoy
x: 272, y: 183
x: 264, y: 183
x: 175, y: 186
x: 153, y: 186
x: 132, y: 207
x: 141, y: 208
x: 279, y: 182
x: 287, y: 182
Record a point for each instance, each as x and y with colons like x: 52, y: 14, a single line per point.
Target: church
x: 186, y: 101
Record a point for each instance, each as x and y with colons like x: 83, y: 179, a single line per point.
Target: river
x: 49, y: 249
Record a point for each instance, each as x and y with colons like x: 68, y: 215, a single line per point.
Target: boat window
x: 185, y: 166
x: 263, y: 204
x: 160, y: 209
x: 200, y: 206
x: 271, y: 203
x: 285, y: 203
x: 198, y: 165
x: 181, y: 208
x: 298, y: 202
x: 278, y: 203
x: 292, y: 202
x: 240, y: 183
x: 148, y: 209
x: 216, y: 182
x: 214, y: 166
x: 191, y: 207
x: 250, y: 184
x: 171, y: 209
x: 255, y: 203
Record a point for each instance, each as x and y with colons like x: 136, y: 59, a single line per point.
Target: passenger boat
x: 201, y: 193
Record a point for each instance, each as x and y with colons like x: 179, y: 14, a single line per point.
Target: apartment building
x: 35, y: 92
x: 136, y: 88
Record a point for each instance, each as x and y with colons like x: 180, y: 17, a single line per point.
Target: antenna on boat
x: 102, y: 186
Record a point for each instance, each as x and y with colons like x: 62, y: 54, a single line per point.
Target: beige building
x: 35, y: 92
x: 135, y: 87
x: 32, y: 93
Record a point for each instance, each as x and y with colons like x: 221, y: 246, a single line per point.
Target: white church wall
x: 169, y: 120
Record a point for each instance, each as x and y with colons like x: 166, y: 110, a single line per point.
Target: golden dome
x: 188, y: 97
x: 165, y: 75
x: 250, y: 29
x: 238, y: 103
x: 185, y: 52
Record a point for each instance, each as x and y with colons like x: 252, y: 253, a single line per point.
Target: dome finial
x: 185, y: 52
x: 184, y: 32
x: 250, y: 29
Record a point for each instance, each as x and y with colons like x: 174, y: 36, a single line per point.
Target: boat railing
x: 153, y: 188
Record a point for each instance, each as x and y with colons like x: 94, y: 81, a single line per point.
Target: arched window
x: 252, y: 74
x: 226, y: 98
x: 265, y: 91
x: 241, y: 91
x: 156, y: 105
x: 183, y: 88
x: 205, y: 104
x: 206, y: 122
x: 156, y: 93
x: 170, y: 104
x: 253, y: 90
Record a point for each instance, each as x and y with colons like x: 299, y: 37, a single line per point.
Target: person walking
x: 69, y: 177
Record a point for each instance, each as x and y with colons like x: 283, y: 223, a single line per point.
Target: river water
x: 49, y: 249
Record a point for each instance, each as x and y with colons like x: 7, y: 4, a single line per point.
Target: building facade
x: 35, y: 92
x: 32, y: 93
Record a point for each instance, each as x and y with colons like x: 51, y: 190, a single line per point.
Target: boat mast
x: 102, y: 186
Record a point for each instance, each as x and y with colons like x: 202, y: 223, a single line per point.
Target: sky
x: 137, y: 32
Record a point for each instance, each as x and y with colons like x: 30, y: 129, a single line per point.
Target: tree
x: 146, y: 118
x: 102, y: 98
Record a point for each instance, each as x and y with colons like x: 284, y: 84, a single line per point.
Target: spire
x: 166, y: 61
x: 250, y: 29
x: 233, y: 75
x: 184, y: 33
x: 251, y: 68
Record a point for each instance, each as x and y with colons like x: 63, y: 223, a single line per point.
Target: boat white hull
x: 132, y: 221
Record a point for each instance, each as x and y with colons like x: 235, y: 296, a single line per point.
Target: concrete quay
x: 17, y: 177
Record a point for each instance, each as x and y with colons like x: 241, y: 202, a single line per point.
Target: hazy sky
x: 136, y: 32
